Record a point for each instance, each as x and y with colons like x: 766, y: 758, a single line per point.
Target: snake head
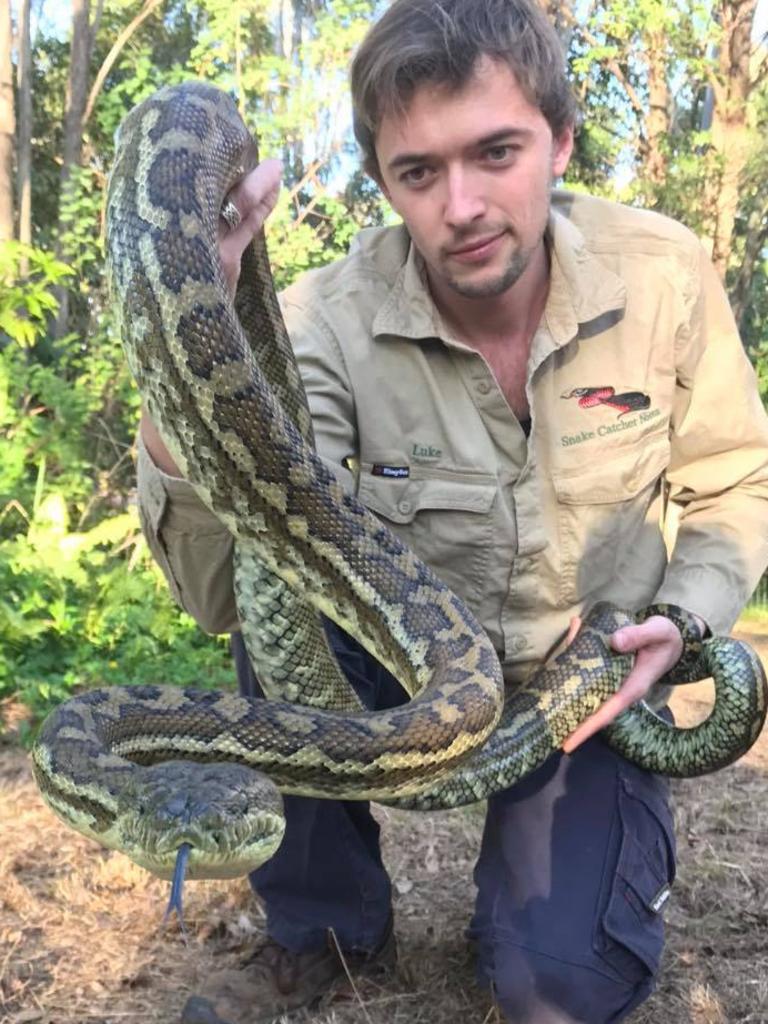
x: 229, y: 816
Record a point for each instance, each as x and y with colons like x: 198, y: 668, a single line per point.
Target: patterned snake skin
x: 220, y: 382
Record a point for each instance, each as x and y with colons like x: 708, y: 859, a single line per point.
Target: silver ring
x: 230, y: 215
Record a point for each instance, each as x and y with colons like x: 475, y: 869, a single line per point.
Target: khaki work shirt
x: 640, y: 393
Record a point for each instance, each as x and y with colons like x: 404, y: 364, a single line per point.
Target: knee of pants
x: 533, y: 988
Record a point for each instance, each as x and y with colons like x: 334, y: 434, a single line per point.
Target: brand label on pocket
x: 398, y: 472
x: 660, y: 899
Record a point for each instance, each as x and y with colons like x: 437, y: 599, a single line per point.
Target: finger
x: 247, y: 207
x: 255, y: 196
x: 629, y: 638
x: 573, y: 629
x: 250, y: 201
x: 655, y: 630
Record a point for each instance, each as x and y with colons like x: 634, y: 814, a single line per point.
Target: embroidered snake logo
x: 627, y: 401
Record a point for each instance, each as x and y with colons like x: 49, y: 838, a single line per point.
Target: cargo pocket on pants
x: 630, y: 931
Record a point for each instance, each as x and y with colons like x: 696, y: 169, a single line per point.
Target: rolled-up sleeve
x: 191, y: 546
x: 718, y: 475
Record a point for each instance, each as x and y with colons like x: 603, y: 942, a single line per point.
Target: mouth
x: 478, y: 249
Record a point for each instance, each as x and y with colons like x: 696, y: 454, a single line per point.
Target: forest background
x: 674, y: 100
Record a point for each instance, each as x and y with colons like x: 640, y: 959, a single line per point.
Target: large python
x: 121, y: 765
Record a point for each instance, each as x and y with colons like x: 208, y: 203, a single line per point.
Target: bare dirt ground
x: 81, y: 938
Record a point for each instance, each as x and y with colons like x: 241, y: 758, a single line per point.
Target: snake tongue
x: 177, y: 886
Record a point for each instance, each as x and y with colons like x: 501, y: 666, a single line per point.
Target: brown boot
x: 274, y: 981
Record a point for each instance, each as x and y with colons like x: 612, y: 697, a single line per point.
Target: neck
x: 515, y: 314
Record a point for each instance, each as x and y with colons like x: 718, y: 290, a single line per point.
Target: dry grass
x: 81, y: 939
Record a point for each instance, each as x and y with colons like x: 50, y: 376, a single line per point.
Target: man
x: 517, y: 384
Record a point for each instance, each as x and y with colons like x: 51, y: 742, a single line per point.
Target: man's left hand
x: 657, y: 646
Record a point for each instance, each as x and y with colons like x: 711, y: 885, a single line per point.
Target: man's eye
x: 498, y: 154
x: 414, y: 176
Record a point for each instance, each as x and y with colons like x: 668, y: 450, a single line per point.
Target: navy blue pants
x: 574, y: 869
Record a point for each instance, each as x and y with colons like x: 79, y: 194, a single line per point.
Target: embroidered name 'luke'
x: 426, y: 451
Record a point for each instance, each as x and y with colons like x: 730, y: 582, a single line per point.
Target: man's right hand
x: 254, y: 198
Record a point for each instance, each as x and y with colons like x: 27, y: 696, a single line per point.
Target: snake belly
x: 229, y: 405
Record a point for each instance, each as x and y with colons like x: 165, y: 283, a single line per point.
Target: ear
x: 562, y: 148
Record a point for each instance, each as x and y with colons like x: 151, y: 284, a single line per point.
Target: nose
x: 464, y: 201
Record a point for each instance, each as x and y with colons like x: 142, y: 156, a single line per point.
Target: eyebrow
x: 407, y: 159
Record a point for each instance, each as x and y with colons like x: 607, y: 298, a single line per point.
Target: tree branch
x: 613, y: 65
x: 721, y: 95
x: 114, y: 53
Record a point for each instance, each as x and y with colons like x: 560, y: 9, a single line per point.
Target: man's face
x: 470, y: 173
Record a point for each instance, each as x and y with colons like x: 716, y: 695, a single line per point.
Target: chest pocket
x: 445, y: 517
x: 601, y: 507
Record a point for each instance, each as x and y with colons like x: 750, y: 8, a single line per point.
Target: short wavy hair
x: 440, y: 42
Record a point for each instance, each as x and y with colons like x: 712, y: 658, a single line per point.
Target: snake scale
x: 152, y: 769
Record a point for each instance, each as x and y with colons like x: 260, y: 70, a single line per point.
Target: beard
x: 495, y: 286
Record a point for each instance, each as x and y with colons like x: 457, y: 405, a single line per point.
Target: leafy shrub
x: 89, y: 608
x: 81, y: 602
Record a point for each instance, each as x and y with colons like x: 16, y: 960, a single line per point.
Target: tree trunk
x: 657, y: 119
x: 288, y: 39
x: 24, y: 145
x: 732, y: 86
x: 77, y: 88
x: 77, y: 95
x: 7, y: 123
x: 297, y: 38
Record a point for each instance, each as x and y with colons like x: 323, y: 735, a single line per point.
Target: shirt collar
x: 409, y: 311
x: 583, y: 292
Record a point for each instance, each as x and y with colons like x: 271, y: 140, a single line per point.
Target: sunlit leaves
x: 26, y: 304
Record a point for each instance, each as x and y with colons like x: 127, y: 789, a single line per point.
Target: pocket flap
x: 615, y: 475
x: 401, y: 499
x: 644, y: 875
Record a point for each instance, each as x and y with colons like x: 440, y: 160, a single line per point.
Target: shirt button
x: 483, y: 387
x: 404, y: 507
x: 517, y: 644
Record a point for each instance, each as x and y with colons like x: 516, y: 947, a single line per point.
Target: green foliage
x: 87, y: 608
x: 26, y: 304
x: 80, y: 601
x: 759, y: 357
x: 53, y: 401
